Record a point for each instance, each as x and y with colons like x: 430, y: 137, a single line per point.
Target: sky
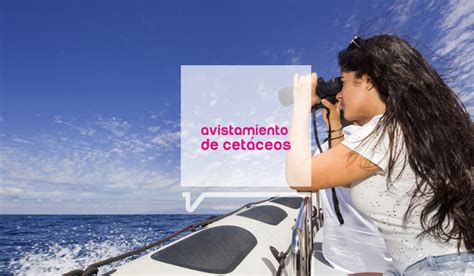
x: 90, y: 90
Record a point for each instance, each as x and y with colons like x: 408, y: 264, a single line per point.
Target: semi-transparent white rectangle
x: 238, y: 96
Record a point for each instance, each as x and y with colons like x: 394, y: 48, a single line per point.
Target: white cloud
x: 48, y: 195
x: 57, y: 119
x: 159, y: 114
x: 115, y: 125
x: 160, y: 182
x: 153, y: 129
x: 29, y: 194
x: 403, y: 10
x: 10, y: 192
x: 351, y: 22
x: 172, y: 124
x: 167, y: 139
x: 459, y: 14
x: 294, y: 55
x: 18, y: 140
x: 452, y: 44
x: 124, y: 178
x: 88, y: 160
x: 87, y: 195
x: 455, y: 40
x: 118, y: 151
x: 86, y: 131
x: 272, y: 55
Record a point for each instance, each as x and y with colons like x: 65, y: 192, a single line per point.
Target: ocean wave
x: 59, y: 259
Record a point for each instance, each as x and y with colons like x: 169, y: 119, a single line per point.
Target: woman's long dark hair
x: 436, y: 129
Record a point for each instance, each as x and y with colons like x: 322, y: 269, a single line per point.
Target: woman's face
x: 358, y: 97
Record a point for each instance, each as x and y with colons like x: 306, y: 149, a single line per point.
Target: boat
x: 276, y: 236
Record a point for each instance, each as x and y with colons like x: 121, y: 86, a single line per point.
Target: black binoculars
x: 329, y: 89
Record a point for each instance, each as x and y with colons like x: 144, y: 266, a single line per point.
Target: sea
x: 56, y: 244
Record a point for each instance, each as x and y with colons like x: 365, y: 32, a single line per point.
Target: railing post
x: 302, y: 240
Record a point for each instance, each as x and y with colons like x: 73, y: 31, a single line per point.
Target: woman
x: 409, y: 165
x: 355, y: 235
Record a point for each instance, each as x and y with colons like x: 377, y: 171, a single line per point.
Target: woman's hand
x: 304, y: 91
x: 334, y: 114
x: 314, y: 83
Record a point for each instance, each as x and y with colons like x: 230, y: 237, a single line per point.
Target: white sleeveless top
x: 356, y: 246
x: 386, y: 207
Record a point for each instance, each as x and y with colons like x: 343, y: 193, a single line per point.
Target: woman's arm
x: 298, y: 158
x: 339, y: 166
x: 335, y: 167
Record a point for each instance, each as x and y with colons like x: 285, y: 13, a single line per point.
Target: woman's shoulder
x: 373, y: 143
x: 359, y: 133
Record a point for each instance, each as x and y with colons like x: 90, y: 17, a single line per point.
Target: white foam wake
x: 59, y: 259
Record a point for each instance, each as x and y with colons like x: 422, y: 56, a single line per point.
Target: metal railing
x: 302, y: 240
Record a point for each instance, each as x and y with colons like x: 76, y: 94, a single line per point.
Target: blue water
x: 55, y: 244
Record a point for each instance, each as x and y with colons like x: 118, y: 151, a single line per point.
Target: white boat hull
x: 270, y: 223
